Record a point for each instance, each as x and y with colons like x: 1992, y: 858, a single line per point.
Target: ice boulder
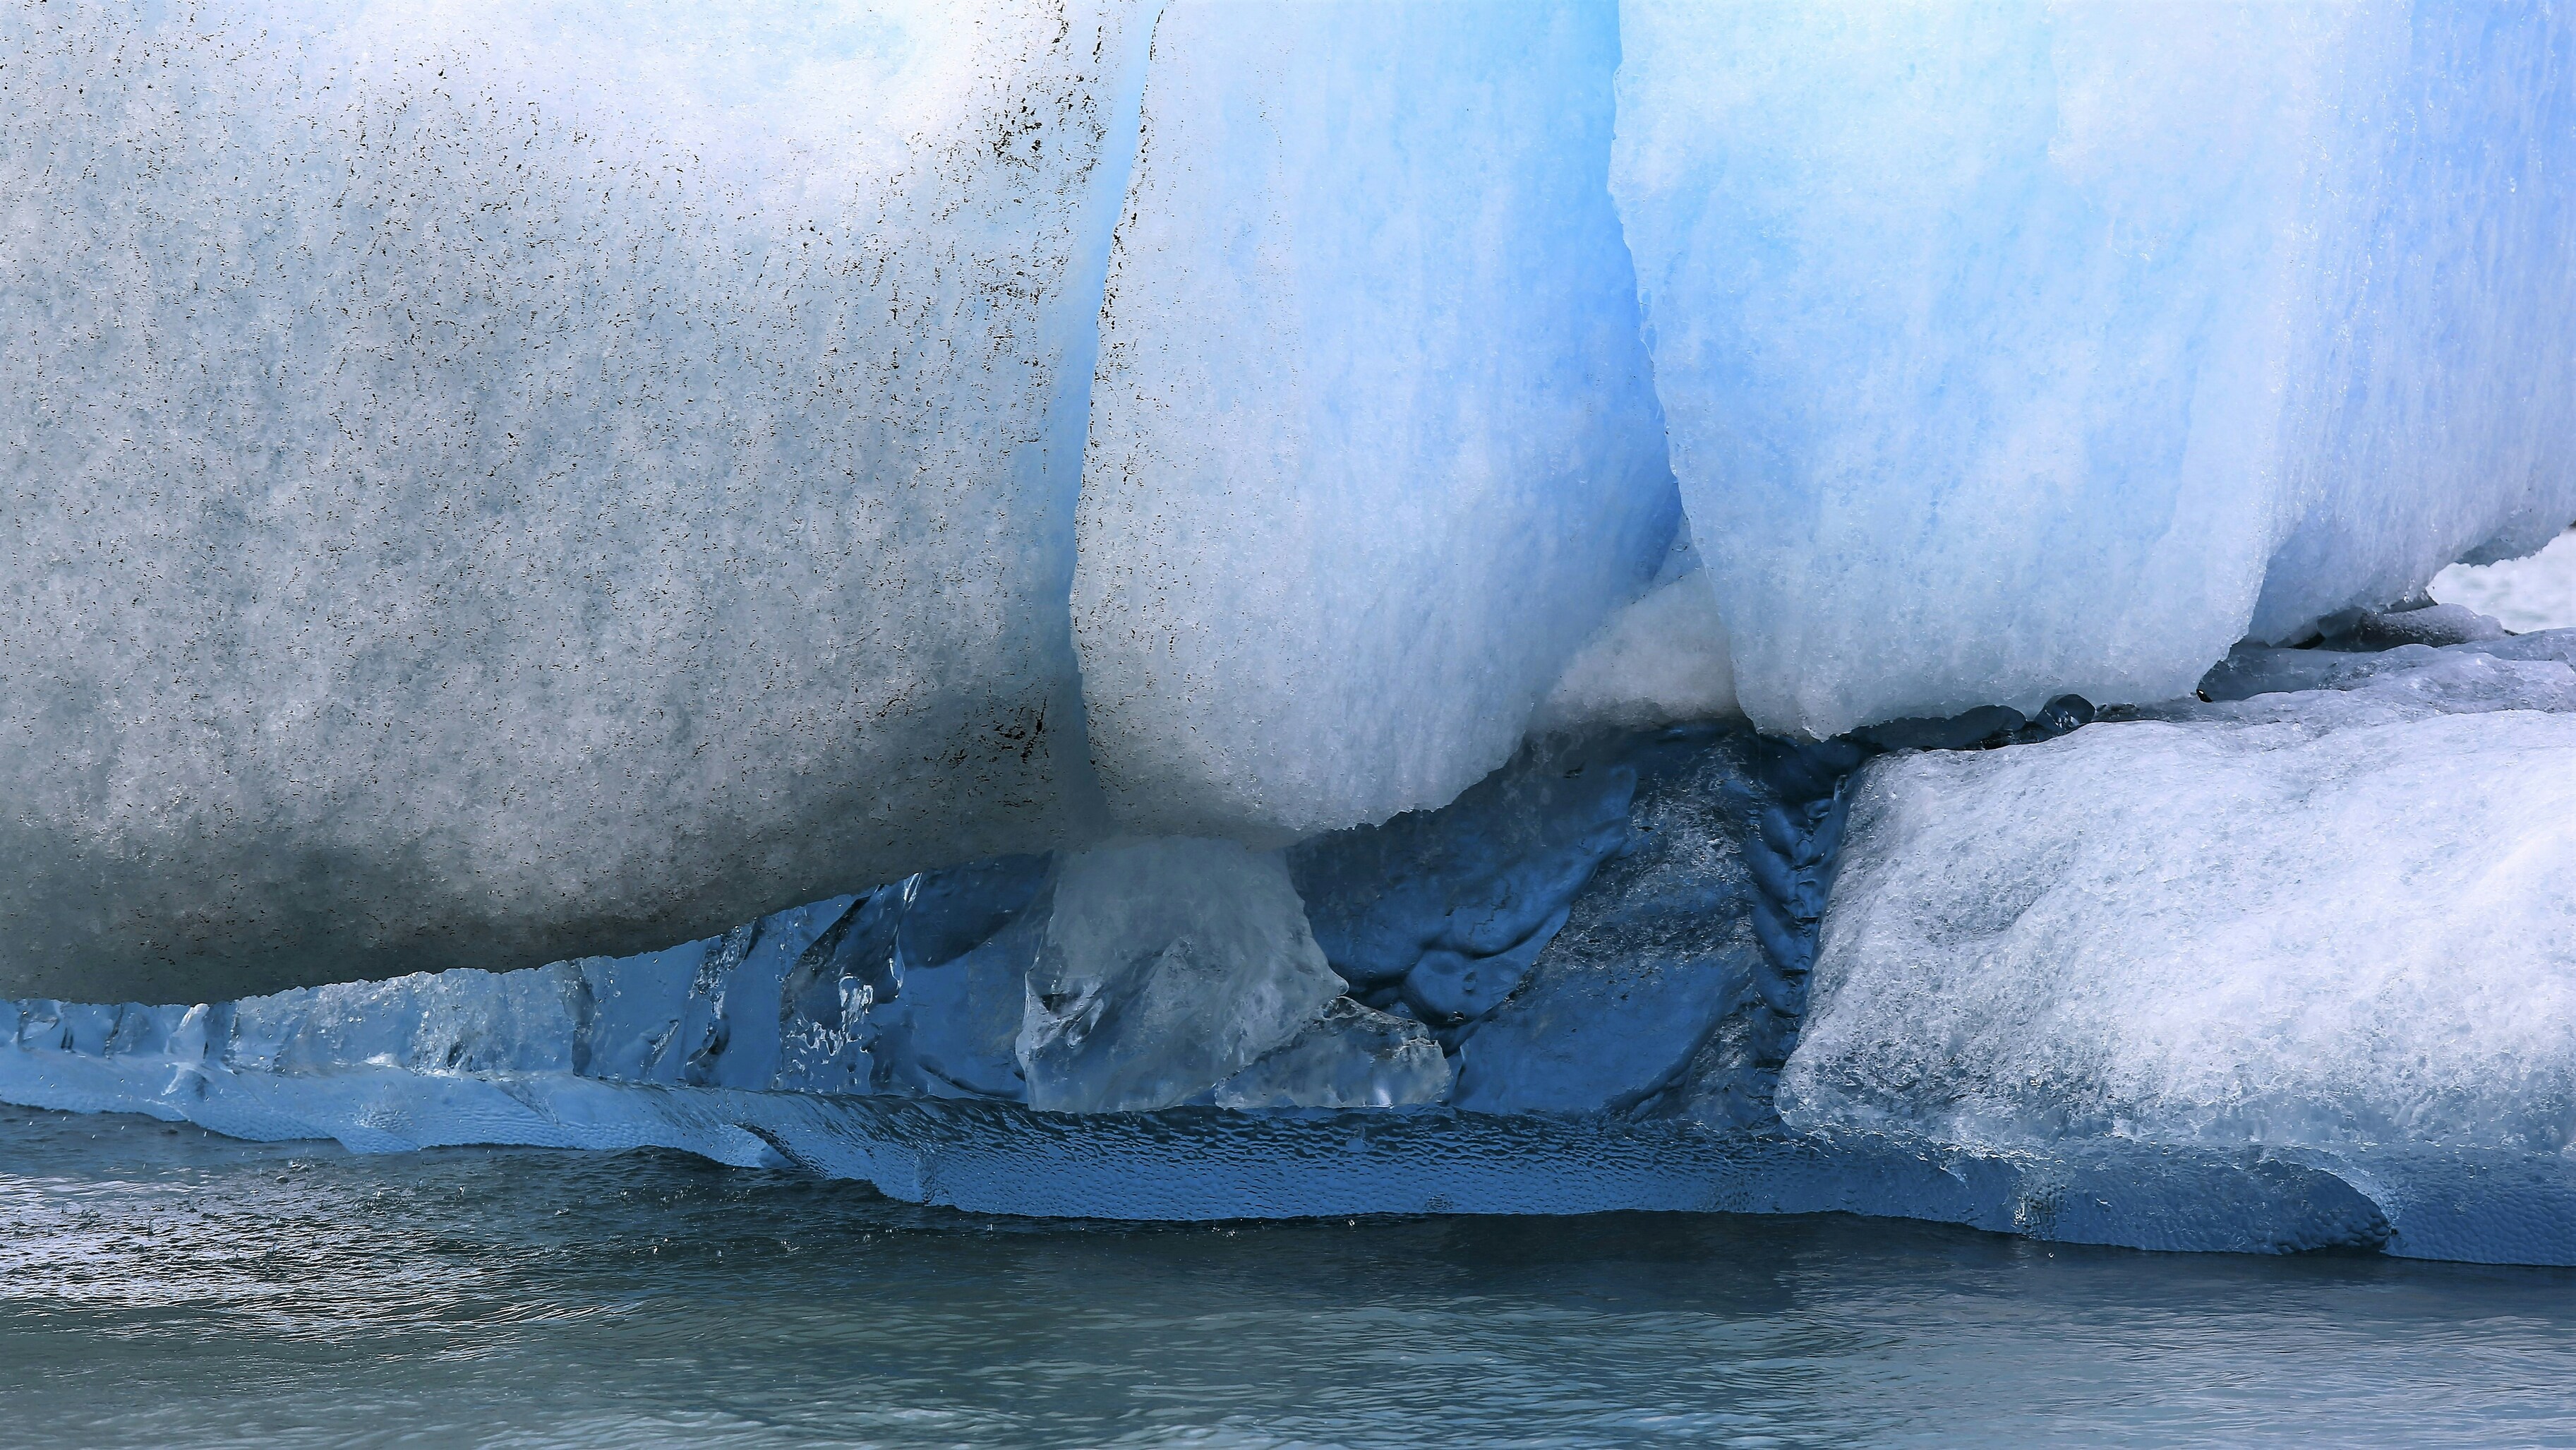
x: 1373, y: 442
x: 2020, y: 350
x: 2334, y: 919
x: 487, y: 482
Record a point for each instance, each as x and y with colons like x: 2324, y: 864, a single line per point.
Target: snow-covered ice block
x: 491, y: 481
x: 2335, y: 920
x: 2019, y: 350
x: 1168, y: 966
x: 1373, y: 445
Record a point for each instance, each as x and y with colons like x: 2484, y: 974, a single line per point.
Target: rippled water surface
x: 161, y: 1286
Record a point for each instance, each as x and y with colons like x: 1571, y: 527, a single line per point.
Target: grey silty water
x: 159, y: 1285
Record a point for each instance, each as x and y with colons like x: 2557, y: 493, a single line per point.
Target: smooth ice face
x: 2018, y: 350
x: 1168, y: 966
x: 491, y: 482
x: 2328, y: 919
x: 1373, y: 445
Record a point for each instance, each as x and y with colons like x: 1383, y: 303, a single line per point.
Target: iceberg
x: 1188, y: 610
x: 2025, y: 350
x: 489, y: 483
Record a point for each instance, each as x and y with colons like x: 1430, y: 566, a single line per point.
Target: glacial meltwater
x: 160, y: 1285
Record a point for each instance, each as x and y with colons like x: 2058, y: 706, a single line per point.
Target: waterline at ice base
x: 1197, y: 611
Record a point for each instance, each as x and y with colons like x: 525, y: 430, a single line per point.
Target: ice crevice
x: 1323, y: 608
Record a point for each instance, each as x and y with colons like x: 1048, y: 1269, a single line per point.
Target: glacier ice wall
x: 1373, y: 441
x: 550, y: 478
x: 2022, y: 349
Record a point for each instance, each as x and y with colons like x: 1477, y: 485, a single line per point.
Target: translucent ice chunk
x: 493, y: 481
x: 920, y: 989
x: 1168, y: 966
x: 2013, y: 351
x: 1373, y: 443
x: 2339, y: 918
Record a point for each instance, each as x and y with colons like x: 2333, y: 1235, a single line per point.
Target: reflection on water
x: 160, y: 1285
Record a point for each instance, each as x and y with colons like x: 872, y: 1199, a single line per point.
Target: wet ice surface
x: 158, y: 1284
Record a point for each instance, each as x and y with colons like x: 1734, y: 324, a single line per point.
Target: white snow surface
x: 1373, y: 443
x: 1661, y: 660
x: 2334, y: 917
x: 2021, y: 349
